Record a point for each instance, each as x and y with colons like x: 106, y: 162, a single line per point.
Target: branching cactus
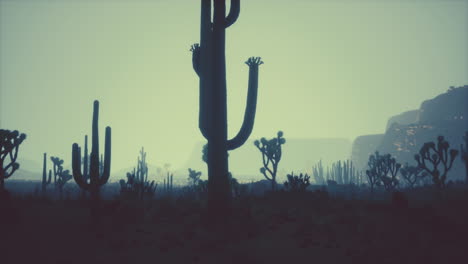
x: 412, y: 174
x: 437, y: 160
x: 209, y: 63
x: 45, y: 181
x: 9, y: 144
x: 271, y: 156
x: 383, y: 170
x: 61, y: 177
x: 464, y: 155
x: 96, y: 179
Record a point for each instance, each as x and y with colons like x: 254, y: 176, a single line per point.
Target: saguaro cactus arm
x: 233, y: 13
x: 195, y: 49
x: 107, y: 158
x: 76, y: 165
x: 251, y: 105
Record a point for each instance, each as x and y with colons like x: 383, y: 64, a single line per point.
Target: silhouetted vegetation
x: 222, y: 219
x: 436, y: 159
x: 271, y: 156
x: 297, y: 183
x: 137, y: 185
x: 9, y: 144
x: 96, y: 179
x: 45, y: 181
x: 61, y: 177
x: 464, y: 155
x: 383, y: 170
x: 209, y: 63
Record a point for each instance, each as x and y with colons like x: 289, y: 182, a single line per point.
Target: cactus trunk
x: 209, y: 62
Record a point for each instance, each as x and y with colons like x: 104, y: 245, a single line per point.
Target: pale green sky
x: 332, y: 69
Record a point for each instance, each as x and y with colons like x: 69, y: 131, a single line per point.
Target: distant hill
x: 446, y: 115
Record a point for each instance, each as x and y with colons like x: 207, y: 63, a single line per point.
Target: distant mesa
x: 405, y: 118
x: 446, y: 115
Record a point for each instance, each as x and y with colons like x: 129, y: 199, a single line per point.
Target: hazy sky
x: 332, y: 69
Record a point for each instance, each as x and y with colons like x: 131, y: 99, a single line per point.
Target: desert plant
x: 271, y: 156
x: 343, y: 172
x: 390, y: 180
x: 168, y: 183
x: 412, y: 174
x: 317, y: 171
x: 137, y: 184
x: 194, y: 176
x: 209, y: 63
x: 61, y: 177
x: 45, y: 181
x: 433, y: 158
x: 297, y: 183
x: 235, y: 186
x: 383, y: 170
x: 96, y: 179
x: 464, y: 155
x: 9, y: 144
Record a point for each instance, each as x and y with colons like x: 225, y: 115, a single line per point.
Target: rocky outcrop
x: 363, y: 147
x: 406, y: 118
x: 447, y: 108
x: 446, y: 115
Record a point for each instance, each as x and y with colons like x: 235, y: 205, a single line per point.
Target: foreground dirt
x: 273, y: 229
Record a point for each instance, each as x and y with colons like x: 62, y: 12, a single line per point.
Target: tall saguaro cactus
x: 209, y: 62
x: 96, y: 179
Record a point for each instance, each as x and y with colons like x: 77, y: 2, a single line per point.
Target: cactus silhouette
x: 209, y: 62
x: 96, y: 179
x: 45, y: 181
x: 437, y: 160
x: 194, y: 176
x: 137, y: 184
x: 168, y: 184
x: 271, y: 156
x: 9, y: 144
x: 61, y: 177
x: 464, y: 155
